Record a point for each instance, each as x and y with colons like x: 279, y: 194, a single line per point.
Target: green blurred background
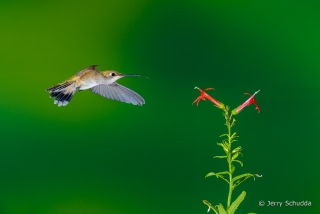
x: 101, y: 156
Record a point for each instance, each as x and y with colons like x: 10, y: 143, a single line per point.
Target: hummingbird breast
x: 88, y: 84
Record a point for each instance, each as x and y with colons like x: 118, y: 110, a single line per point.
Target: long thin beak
x: 133, y: 75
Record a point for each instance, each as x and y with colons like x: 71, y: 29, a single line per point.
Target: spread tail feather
x: 62, y: 98
x: 62, y: 92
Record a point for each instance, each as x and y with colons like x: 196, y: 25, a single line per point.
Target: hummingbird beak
x: 133, y: 75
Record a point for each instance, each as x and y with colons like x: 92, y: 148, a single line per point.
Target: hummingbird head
x: 114, y: 75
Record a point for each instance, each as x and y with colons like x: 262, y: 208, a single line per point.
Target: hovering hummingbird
x: 102, y: 83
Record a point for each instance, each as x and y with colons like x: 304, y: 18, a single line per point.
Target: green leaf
x: 210, y: 174
x: 221, y: 209
x: 233, y: 122
x: 235, y: 156
x: 245, y: 175
x: 238, y: 162
x: 224, y: 146
x: 220, y: 157
x: 218, y: 175
x: 238, y: 149
x: 232, y: 168
x: 241, y: 178
x: 225, y: 142
x: 234, y: 135
x: 210, y: 206
x: 236, y: 203
x: 223, y: 135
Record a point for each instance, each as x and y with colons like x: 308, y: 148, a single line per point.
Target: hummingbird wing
x: 115, y: 91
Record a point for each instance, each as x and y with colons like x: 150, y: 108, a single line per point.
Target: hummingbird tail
x: 59, y: 86
x: 62, y: 92
x: 62, y: 97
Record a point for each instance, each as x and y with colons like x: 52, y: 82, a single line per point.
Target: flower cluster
x: 204, y: 96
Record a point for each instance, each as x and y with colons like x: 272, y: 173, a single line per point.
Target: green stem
x: 229, y: 159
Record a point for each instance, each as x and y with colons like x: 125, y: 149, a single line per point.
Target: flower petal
x: 248, y: 102
x: 204, y: 96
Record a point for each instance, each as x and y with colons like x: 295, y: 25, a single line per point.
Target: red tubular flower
x: 204, y: 96
x: 248, y: 102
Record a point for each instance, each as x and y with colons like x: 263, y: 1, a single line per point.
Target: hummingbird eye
x: 113, y: 74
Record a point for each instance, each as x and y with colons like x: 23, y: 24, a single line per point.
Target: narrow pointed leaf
x: 238, y: 162
x: 238, y: 149
x: 236, y: 203
x: 245, y: 175
x: 218, y: 175
x: 223, y: 173
x: 210, y: 206
x: 224, y: 146
x: 241, y: 178
x: 234, y: 135
x: 220, y: 157
x: 233, y: 122
x: 223, y: 135
x: 221, y: 209
x: 210, y: 174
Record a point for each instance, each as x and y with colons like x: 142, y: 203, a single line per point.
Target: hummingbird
x: 99, y: 82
